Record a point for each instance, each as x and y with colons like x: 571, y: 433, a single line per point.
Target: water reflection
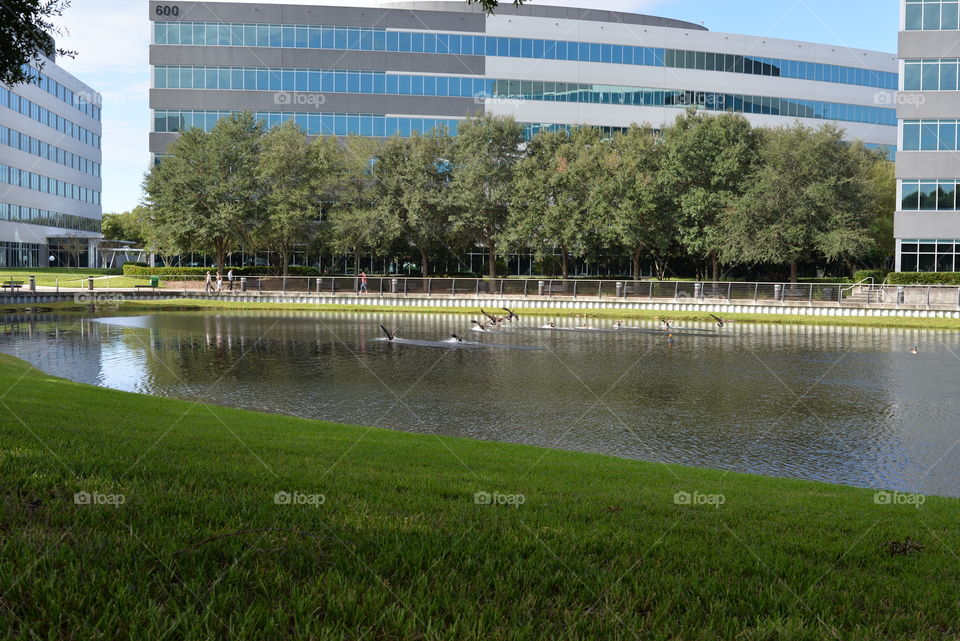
x: 842, y: 405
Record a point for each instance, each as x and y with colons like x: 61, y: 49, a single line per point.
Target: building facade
x: 412, y: 66
x: 50, y: 182
x: 927, y: 222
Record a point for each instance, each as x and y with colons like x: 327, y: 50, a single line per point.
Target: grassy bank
x: 182, y: 536
x: 604, y: 314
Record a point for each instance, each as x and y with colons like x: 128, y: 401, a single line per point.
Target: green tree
x: 707, y: 163
x: 881, y: 180
x: 128, y: 225
x: 26, y: 37
x: 486, y: 151
x: 628, y: 194
x: 295, y: 176
x: 553, y: 186
x: 807, y: 198
x: 356, y: 224
x: 413, y: 182
x: 205, y: 195
x: 489, y: 6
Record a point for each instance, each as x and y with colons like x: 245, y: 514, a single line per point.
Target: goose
x: 482, y: 326
x: 390, y: 335
x: 494, y: 320
x: 666, y: 322
x: 721, y: 321
x: 511, y: 315
x: 915, y: 350
x: 457, y: 338
x: 618, y: 325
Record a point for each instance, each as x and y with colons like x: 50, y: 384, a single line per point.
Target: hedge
x: 925, y: 278
x: 137, y: 270
x: 878, y: 275
x: 840, y: 280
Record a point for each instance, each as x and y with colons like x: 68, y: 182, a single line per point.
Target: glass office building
x: 408, y: 67
x: 927, y: 222
x: 49, y: 171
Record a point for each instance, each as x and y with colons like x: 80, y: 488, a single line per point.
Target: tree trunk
x: 356, y: 262
x: 285, y: 259
x: 492, y: 256
x: 793, y: 272
x: 564, y: 263
x: 715, y: 266
x: 221, y: 249
x: 635, y: 260
x: 424, y: 266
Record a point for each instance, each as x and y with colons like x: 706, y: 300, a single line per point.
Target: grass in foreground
x: 397, y: 547
x: 612, y: 314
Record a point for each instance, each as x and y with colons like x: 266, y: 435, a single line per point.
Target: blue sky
x: 112, y: 38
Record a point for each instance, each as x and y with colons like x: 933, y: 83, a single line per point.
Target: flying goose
x: 721, y: 321
x: 511, y: 315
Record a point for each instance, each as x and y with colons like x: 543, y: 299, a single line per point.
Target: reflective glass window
x: 931, y: 17
x: 928, y: 195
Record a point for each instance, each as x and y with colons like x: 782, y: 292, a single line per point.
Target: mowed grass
x: 393, y: 544
x: 186, y: 304
x: 71, y: 278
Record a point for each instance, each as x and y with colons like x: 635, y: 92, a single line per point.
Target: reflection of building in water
x: 56, y: 345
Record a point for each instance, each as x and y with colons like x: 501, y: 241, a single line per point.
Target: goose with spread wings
x: 391, y: 336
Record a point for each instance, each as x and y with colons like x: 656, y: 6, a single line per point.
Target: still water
x: 843, y: 405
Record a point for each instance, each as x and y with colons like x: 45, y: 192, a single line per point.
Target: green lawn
x: 69, y: 278
x: 185, y: 538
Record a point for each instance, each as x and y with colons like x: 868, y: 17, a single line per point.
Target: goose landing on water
x: 721, y: 321
x: 915, y: 350
x: 511, y: 315
x: 480, y: 326
x: 494, y: 320
x: 390, y: 335
x: 456, y: 338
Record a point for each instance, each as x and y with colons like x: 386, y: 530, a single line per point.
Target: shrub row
x: 925, y: 278
x: 862, y: 274
x: 131, y: 269
x: 825, y: 281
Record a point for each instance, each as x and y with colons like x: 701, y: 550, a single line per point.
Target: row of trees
x: 711, y: 190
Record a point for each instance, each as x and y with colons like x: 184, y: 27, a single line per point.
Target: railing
x: 831, y: 294
x: 859, y: 284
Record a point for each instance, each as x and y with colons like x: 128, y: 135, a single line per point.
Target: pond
x: 843, y: 405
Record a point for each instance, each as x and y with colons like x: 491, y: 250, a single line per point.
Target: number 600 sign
x: 168, y: 10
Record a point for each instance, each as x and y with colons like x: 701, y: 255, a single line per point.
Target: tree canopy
x: 705, y: 191
x: 27, y: 36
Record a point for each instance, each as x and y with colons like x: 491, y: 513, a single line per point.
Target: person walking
x: 219, y: 283
x: 363, y: 283
x: 208, y: 285
x: 230, y: 279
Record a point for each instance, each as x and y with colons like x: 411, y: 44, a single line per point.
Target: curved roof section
x: 543, y: 11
